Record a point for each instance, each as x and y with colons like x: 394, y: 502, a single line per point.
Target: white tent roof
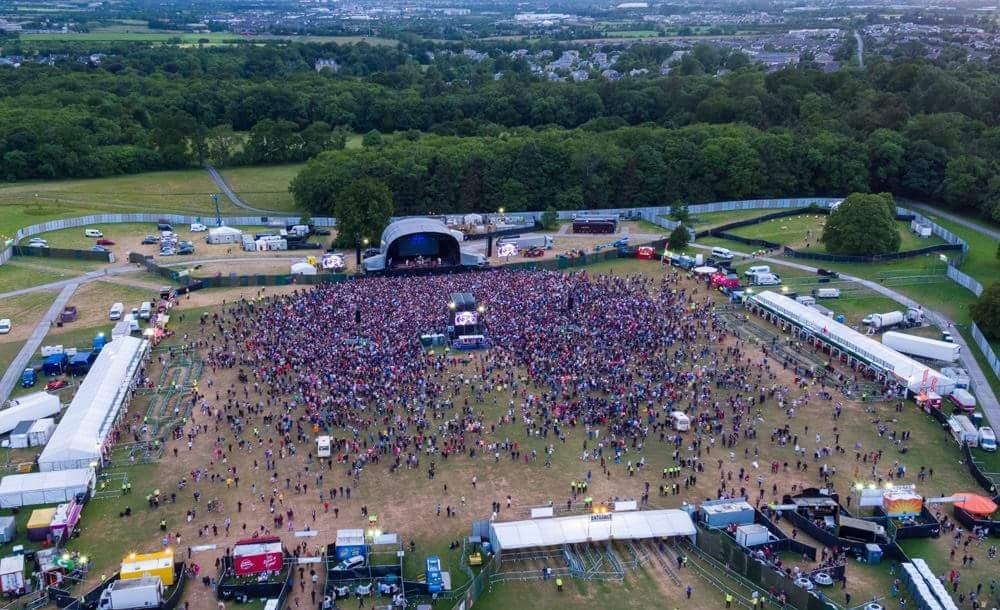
x: 79, y: 438
x: 905, y: 368
x: 26, y: 408
x: 585, y: 528
x: 43, y: 487
x: 224, y: 231
x: 303, y: 268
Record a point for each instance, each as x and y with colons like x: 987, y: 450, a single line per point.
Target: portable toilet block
x: 873, y: 554
x: 723, y: 513
x: 19, y: 435
x: 40, y: 432
x: 751, y: 535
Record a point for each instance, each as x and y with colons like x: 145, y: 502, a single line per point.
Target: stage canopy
x: 591, y: 528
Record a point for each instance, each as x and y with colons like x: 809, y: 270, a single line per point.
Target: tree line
x: 909, y: 126
x: 586, y: 168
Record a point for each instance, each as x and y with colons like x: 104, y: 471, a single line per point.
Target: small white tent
x: 224, y: 235
x: 303, y: 269
x: 44, y: 487
x: 30, y: 407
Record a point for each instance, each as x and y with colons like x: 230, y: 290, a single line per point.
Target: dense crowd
x: 610, y: 356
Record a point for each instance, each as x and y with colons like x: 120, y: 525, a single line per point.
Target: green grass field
x: 264, y: 187
x: 803, y: 232
x: 183, y: 192
x: 18, y: 274
x: 140, y: 33
x: 631, y: 33
x: 714, y: 219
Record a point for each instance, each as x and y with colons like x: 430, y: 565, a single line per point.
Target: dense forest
x: 715, y: 127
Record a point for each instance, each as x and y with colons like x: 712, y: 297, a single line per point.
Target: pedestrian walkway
x: 975, y: 226
x: 23, y: 358
x: 984, y: 393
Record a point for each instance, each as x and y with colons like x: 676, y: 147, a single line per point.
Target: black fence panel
x: 80, y: 255
x: 970, y: 521
x: 984, y: 481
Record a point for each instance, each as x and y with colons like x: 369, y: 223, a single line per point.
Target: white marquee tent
x: 79, y: 439
x: 28, y: 408
x: 913, y: 374
x: 632, y: 525
x: 303, y: 268
x: 44, y: 487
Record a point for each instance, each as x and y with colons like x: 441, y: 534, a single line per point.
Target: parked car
x: 5, y: 326
x: 167, y: 252
x: 38, y: 244
x: 534, y: 252
x: 185, y: 250
x: 163, y: 226
x: 104, y: 242
x: 38, y: 240
x: 99, y: 249
x: 92, y: 233
x: 68, y: 314
x: 197, y: 227
x: 150, y: 239
x: 56, y: 384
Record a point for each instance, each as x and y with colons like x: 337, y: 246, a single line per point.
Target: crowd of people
x: 606, y: 356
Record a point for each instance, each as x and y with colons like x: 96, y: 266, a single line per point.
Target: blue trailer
x: 54, y: 364
x: 98, y: 343
x: 435, y: 584
x: 28, y: 378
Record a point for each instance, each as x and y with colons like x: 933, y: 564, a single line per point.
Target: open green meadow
x: 804, y: 232
x: 182, y: 192
x: 264, y: 187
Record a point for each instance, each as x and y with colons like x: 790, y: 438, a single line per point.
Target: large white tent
x: 28, y: 408
x: 578, y: 529
x: 914, y: 375
x: 80, y: 438
x: 44, y: 487
x: 224, y: 235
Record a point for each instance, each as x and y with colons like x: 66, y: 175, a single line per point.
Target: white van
x: 723, y: 253
x: 751, y: 271
x: 197, y: 227
x: 133, y: 324
x: 5, y: 326
x: 355, y: 561
x: 92, y: 233
x: 680, y: 421
x: 323, y: 446
x: 146, y: 310
x: 987, y: 439
x: 767, y: 279
x: 116, y: 311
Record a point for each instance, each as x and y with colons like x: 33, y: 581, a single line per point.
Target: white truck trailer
x: 922, y: 347
x: 523, y: 242
x: 144, y: 592
x: 883, y: 321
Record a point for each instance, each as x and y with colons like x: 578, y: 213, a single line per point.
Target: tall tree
x: 363, y: 210
x: 862, y: 226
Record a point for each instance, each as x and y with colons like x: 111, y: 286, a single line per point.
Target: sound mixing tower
x: 466, y: 328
